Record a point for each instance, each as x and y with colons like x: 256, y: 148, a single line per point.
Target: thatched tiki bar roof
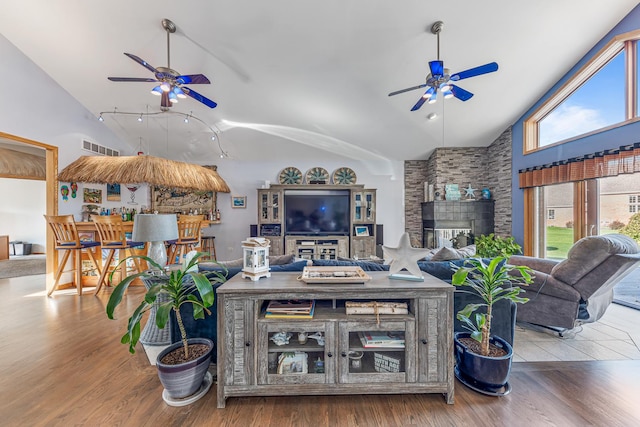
x: 143, y: 169
x: 16, y: 164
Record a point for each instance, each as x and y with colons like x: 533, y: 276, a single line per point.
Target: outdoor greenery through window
x: 595, y: 99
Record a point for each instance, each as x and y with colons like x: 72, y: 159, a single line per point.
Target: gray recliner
x: 577, y: 290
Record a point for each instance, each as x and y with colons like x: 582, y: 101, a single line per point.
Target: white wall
x: 40, y: 110
x: 244, y: 178
x: 23, y: 204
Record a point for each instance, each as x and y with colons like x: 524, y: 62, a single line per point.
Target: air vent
x: 99, y: 149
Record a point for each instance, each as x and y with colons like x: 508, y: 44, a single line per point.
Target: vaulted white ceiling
x: 295, y: 78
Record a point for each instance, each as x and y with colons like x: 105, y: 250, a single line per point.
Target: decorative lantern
x: 255, y: 260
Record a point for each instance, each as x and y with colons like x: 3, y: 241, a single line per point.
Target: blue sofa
x: 503, y: 324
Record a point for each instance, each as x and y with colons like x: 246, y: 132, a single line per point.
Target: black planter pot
x: 488, y: 375
x: 184, y: 380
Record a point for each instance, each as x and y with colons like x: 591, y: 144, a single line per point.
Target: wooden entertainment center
x: 327, y: 352
x: 358, y: 242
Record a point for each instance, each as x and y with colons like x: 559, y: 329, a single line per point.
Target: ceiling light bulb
x: 445, y: 87
x: 140, y: 118
x: 221, y: 156
x: 447, y: 94
x: 213, y: 137
x: 166, y: 87
x: 101, y: 118
x: 157, y: 90
x: 186, y: 119
x: 179, y: 92
x: 173, y: 98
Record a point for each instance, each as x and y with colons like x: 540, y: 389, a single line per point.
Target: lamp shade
x: 154, y: 227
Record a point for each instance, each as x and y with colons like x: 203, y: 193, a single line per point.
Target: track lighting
x: 187, y: 118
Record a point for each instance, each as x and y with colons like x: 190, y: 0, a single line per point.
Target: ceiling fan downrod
x: 435, y: 29
x: 170, y: 28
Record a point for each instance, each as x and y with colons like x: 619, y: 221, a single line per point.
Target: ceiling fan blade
x: 423, y: 99
x: 437, y: 68
x: 195, y: 95
x: 472, y: 72
x: 142, y: 62
x: 165, y: 100
x: 194, y: 79
x: 461, y: 94
x: 407, y: 89
x: 131, y: 79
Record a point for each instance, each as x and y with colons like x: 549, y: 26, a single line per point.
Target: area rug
x: 17, y: 267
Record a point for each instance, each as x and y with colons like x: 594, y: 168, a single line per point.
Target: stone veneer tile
x: 479, y: 166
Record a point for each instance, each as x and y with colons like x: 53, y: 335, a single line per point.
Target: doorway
x: 51, y: 170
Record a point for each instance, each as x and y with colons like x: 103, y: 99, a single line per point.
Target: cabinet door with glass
x: 364, y: 206
x: 269, y: 206
x: 295, y: 352
x: 376, y: 353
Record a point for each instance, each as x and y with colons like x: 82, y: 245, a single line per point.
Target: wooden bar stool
x: 189, y: 227
x: 209, y: 246
x: 113, y: 237
x: 67, y: 240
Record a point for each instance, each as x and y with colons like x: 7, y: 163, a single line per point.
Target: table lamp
x: 155, y: 228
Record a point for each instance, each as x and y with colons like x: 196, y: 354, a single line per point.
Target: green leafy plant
x: 492, y: 282
x: 633, y: 228
x: 491, y: 246
x: 178, y: 287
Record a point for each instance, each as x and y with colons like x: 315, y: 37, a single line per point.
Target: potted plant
x: 491, y: 246
x: 181, y: 366
x: 483, y: 361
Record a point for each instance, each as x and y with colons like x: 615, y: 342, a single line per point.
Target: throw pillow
x: 446, y: 254
x: 280, y: 259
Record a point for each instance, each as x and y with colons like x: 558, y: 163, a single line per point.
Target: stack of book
x: 290, y: 309
x: 386, y: 339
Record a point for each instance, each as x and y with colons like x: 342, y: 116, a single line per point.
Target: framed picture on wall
x: 239, y: 201
x: 175, y: 200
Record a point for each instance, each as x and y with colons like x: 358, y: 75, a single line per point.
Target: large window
x: 602, y: 95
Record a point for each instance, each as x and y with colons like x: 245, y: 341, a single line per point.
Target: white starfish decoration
x: 470, y: 192
x: 404, y: 256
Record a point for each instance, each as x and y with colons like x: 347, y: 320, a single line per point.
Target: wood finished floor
x: 61, y: 364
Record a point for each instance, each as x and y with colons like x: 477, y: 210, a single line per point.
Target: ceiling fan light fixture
x: 433, y: 99
x: 165, y: 86
x: 173, y: 98
x: 445, y: 87
x: 157, y: 91
x: 447, y: 94
x: 179, y: 92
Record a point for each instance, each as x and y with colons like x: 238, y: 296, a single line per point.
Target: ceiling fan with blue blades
x: 441, y: 80
x: 171, y: 83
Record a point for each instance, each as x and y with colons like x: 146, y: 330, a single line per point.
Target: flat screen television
x: 317, y: 212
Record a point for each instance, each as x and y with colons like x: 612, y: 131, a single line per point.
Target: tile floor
x: 614, y: 337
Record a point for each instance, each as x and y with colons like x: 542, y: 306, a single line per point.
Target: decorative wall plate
x: 290, y: 175
x: 344, y: 176
x: 317, y: 176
